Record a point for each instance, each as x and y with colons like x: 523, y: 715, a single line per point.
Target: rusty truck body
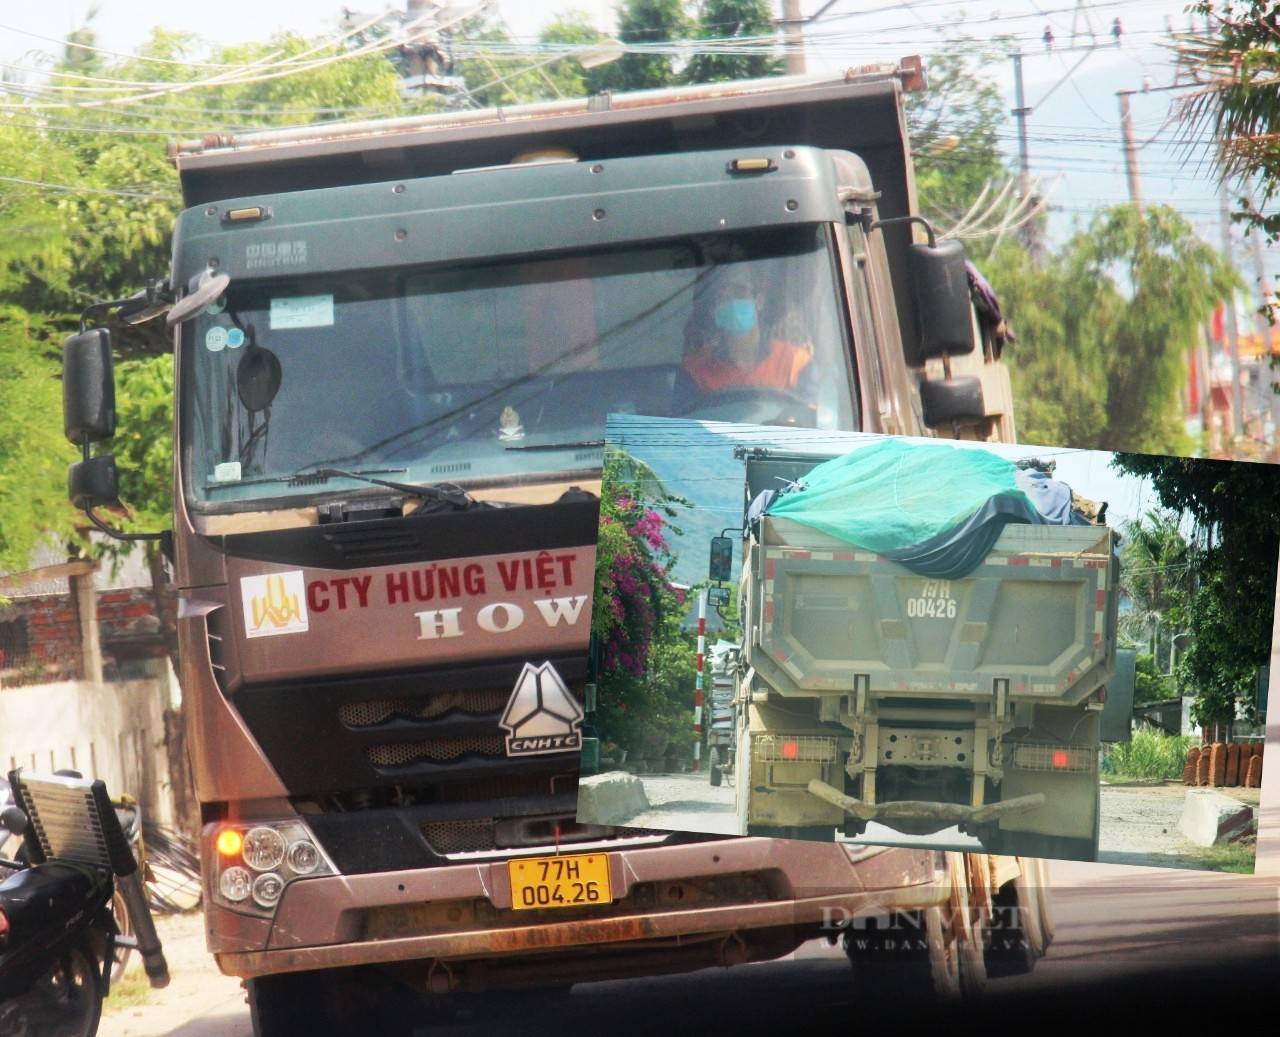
x: 396, y: 345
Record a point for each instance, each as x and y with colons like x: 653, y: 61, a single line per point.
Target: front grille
x: 378, y: 711
x: 437, y: 750
x: 367, y: 543
x: 448, y: 837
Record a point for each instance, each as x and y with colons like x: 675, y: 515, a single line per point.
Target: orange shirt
x: 779, y: 369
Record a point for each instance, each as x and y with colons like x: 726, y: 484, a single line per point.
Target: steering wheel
x: 752, y: 405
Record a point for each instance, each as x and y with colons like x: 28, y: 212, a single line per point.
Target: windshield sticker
x: 215, y: 340
x: 275, y: 603
x: 227, y: 471
x: 302, y: 311
x: 235, y: 338
x: 542, y: 716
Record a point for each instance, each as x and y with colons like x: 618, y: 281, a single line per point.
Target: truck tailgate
x: 1037, y: 612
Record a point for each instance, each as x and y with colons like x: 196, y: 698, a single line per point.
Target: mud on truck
x: 927, y: 634
x: 396, y: 343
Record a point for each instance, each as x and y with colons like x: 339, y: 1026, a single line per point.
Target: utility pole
x: 792, y: 22
x: 1031, y: 229
x: 1130, y: 151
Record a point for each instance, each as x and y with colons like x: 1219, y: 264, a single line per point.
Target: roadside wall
x: 114, y: 731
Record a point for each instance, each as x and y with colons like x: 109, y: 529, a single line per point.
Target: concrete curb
x: 609, y: 799
x: 1209, y: 817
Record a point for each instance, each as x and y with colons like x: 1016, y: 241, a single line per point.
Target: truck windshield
x: 502, y: 373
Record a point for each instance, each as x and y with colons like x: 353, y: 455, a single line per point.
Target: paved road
x: 1139, y: 823
x: 1178, y: 946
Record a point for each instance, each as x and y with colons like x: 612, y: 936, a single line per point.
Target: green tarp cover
x: 895, y: 494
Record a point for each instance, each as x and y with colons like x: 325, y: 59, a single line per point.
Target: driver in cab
x: 727, y: 348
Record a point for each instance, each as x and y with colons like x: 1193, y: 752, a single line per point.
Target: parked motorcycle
x: 58, y: 936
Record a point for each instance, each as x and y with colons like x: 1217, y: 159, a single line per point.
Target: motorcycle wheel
x: 65, y: 1002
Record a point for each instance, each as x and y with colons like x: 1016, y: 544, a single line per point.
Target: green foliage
x: 1104, y: 329
x: 144, y: 445
x: 91, y: 221
x: 568, y: 77
x: 729, y: 22
x: 652, y: 26
x: 645, y: 663
x: 1237, y: 507
x: 955, y: 126
x: 1157, y: 576
x: 1238, y: 107
x: 1151, y: 755
x: 34, y: 455
x: 1150, y: 685
x: 1239, y: 858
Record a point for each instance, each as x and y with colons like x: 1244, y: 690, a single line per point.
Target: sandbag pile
x: 1224, y: 765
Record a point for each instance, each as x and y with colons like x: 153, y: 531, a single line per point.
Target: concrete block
x: 1209, y: 817
x: 610, y: 799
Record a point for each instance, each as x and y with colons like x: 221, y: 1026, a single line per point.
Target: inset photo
x: 1031, y: 651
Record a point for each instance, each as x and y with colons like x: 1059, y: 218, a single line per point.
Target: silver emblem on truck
x: 542, y: 716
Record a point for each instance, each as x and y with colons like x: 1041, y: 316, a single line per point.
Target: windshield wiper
x: 575, y: 444
x: 445, y: 493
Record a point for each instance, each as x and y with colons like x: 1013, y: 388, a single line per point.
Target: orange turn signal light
x: 229, y: 842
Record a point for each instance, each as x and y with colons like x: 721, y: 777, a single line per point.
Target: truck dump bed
x: 1037, y: 612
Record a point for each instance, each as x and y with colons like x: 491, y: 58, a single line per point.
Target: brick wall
x: 53, y: 632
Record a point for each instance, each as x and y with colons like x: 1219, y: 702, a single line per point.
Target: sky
x: 1073, y: 127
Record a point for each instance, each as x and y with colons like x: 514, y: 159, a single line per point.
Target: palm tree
x: 1157, y: 579
x: 1236, y: 102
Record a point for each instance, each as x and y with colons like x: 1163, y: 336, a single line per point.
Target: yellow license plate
x: 572, y: 880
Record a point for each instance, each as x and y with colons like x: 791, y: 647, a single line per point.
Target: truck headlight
x: 255, y: 863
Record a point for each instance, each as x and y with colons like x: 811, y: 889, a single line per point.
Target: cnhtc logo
x: 542, y: 716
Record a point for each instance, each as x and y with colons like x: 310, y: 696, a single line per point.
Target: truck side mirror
x: 721, y: 567
x: 943, y: 303
x: 88, y: 388
x: 93, y: 482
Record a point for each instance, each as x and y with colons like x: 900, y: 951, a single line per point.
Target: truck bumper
x: 945, y: 814
x: 721, y: 901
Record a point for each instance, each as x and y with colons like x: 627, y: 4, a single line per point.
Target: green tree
x: 651, y: 26
x: 33, y: 453
x: 86, y: 217
x: 571, y: 79
x: 956, y: 126
x: 1157, y: 576
x: 1238, y: 108
x: 1236, y: 506
x: 1149, y: 684
x: 738, y: 37
x: 1105, y: 328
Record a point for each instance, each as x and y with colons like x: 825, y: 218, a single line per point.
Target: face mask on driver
x: 736, y: 316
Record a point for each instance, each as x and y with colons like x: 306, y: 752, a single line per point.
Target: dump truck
x: 928, y: 631
x: 719, y: 711
x: 396, y: 343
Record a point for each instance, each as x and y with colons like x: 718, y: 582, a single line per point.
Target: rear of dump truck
x: 873, y: 693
